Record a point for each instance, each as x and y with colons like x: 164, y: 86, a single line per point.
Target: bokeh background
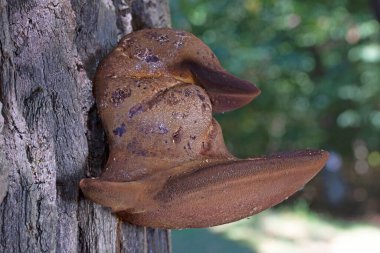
x: 317, y: 64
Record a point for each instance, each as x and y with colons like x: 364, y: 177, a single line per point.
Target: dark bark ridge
x: 50, y: 134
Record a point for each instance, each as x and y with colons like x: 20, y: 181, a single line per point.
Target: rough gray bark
x: 50, y: 134
x: 3, y: 160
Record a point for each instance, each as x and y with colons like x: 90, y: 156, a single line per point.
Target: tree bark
x: 50, y: 134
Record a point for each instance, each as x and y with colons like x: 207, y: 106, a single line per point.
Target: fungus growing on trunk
x: 168, y: 166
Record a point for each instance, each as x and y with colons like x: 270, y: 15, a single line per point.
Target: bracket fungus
x: 168, y: 166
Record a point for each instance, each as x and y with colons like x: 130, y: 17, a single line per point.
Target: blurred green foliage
x: 316, y: 63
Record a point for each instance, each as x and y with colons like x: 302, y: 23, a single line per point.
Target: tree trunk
x: 51, y: 135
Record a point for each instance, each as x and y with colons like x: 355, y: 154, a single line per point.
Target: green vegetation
x: 316, y: 62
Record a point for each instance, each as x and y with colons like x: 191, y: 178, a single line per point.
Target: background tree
x: 51, y: 135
